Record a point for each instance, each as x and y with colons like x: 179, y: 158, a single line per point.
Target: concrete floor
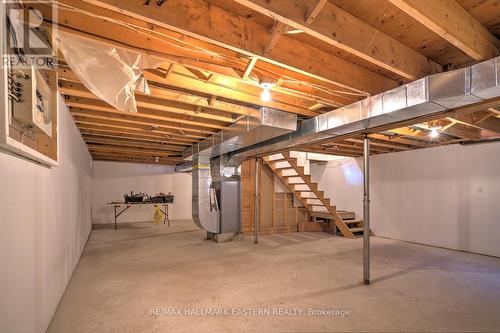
x: 124, y: 276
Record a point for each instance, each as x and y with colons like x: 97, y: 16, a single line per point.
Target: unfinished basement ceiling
x: 209, y: 80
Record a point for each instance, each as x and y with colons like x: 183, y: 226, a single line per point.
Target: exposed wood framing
x: 218, y: 26
x: 277, y: 32
x: 321, y: 55
x: 249, y: 68
x: 313, y: 11
x: 453, y: 23
x: 343, y: 30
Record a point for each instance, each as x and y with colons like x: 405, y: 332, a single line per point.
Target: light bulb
x: 266, y: 95
x: 434, y: 132
x: 228, y: 172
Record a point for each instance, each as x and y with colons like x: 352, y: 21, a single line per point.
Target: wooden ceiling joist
x: 90, y: 130
x: 320, y: 55
x: 152, y: 102
x: 453, y: 23
x: 482, y: 119
x: 110, y: 126
x: 245, y: 92
x: 116, y: 121
x: 136, y: 155
x: 125, y: 159
x: 145, y: 116
x: 134, y: 144
x: 137, y: 151
x: 348, y: 33
x: 218, y: 26
x: 67, y: 77
x: 129, y: 139
x: 198, y: 54
x: 402, y: 140
x: 239, y: 93
x: 330, y: 151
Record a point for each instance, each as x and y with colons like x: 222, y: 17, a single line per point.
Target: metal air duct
x: 216, y: 187
x: 248, y: 137
x: 424, y: 97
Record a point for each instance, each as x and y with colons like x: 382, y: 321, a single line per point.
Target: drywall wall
x: 445, y: 196
x: 45, y: 222
x: 112, y: 180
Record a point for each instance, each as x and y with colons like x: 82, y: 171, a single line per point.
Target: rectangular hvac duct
x: 423, y: 97
x: 261, y: 125
x: 486, y: 79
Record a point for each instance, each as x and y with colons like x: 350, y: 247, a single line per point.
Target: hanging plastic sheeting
x: 112, y: 73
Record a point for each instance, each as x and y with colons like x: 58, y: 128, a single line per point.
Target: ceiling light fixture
x: 434, y: 132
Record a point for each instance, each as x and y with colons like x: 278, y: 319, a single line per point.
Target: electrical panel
x: 31, y: 99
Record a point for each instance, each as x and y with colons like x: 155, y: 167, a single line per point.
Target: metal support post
x: 366, y: 210
x: 256, y: 203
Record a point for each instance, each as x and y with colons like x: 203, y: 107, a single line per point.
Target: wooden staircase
x: 293, y: 175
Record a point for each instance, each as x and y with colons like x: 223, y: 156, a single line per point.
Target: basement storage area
x: 250, y: 166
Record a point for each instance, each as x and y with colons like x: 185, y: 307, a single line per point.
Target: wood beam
x: 96, y: 122
x: 481, y: 119
x: 67, y: 78
x: 247, y: 95
x: 409, y: 142
x: 125, y: 137
x: 238, y: 93
x: 330, y: 151
x: 111, y: 132
x: 175, y: 150
x: 124, y: 155
x: 218, y: 26
x: 313, y: 11
x: 348, y: 33
x: 120, y: 35
x: 137, y: 151
x: 104, y: 117
x: 393, y: 146
x: 131, y: 160
x: 154, y: 102
x: 150, y: 116
x: 277, y: 32
x: 453, y: 23
x: 100, y: 23
x: 249, y: 68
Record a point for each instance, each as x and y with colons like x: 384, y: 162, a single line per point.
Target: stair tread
x: 323, y: 205
x: 327, y: 215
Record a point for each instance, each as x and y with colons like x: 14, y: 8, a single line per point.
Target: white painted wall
x: 112, y: 180
x: 45, y: 221
x: 446, y: 196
